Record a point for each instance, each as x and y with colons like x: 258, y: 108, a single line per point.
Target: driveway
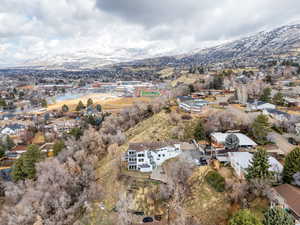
x: 281, y: 142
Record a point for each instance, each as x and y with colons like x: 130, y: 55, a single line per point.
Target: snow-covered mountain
x: 91, y: 58
x: 282, y: 40
x: 279, y: 41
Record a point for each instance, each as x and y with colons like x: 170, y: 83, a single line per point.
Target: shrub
x: 244, y: 217
x: 214, y: 179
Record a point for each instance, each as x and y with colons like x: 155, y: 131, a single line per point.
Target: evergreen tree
x: 2, y: 102
x: 31, y: 157
x: 277, y: 216
x: 58, y: 147
x: 199, y: 132
x: 65, y: 108
x: 24, y: 167
x: 8, y: 143
x: 278, y: 99
x: 80, y: 106
x: 266, y: 95
x: 260, y: 129
x: 244, y: 217
x: 232, y: 142
x: 259, y: 166
x: 217, y: 82
x: 18, y: 172
x: 44, y: 103
x: 99, y: 107
x: 90, y: 102
x: 2, y: 151
x: 76, y: 132
x: 291, y: 165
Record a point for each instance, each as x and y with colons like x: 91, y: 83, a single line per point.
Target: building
x: 218, y: 140
x: 288, y: 197
x: 13, y: 129
x: 276, y: 114
x: 259, y: 105
x: 193, y: 106
x: 145, y: 157
x: 240, y: 161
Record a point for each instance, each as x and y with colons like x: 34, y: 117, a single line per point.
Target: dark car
x: 292, y: 141
x: 138, y: 213
x: 157, y: 217
x: 147, y: 220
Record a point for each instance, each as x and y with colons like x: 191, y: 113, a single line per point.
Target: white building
x: 193, y: 106
x: 240, y: 161
x: 145, y: 157
x: 218, y: 140
x: 259, y: 105
x: 13, y: 129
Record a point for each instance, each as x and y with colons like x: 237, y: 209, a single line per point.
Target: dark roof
x: 149, y: 145
x: 15, y: 126
x: 144, y: 166
x: 184, y: 98
x: 19, y: 148
x: 275, y: 111
x: 291, y: 194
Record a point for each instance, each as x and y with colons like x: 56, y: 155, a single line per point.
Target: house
x: 184, y: 98
x: 240, y: 161
x: 65, y: 125
x: 292, y: 101
x: 145, y: 157
x: 277, y: 114
x: 288, y: 197
x: 297, y: 128
x: 259, y: 105
x: 13, y: 129
x: 218, y: 140
x: 193, y: 106
x: 17, y: 151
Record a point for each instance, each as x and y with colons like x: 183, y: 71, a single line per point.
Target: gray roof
x: 277, y: 112
x: 243, y: 159
x: 244, y: 140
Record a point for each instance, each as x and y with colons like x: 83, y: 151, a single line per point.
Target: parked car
x: 157, y: 217
x: 138, y: 213
x: 292, y: 141
x: 148, y: 219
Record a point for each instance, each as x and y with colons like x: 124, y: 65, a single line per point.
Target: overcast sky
x: 31, y: 29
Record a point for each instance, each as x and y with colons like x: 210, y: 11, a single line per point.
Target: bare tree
x: 296, y: 178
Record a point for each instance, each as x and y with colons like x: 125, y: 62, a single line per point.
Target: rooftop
x: 291, y: 194
x: 150, y: 145
x: 244, y: 140
x: 244, y: 158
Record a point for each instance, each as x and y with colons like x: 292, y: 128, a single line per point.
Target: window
x: 158, y: 155
x: 140, y: 155
x: 141, y: 160
x: 163, y: 155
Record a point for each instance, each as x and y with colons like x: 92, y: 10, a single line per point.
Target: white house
x: 194, y: 106
x: 276, y: 114
x: 145, y: 157
x: 259, y: 105
x: 218, y: 140
x: 240, y: 161
x: 13, y: 129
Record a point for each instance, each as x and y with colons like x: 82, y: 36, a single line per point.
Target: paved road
x: 281, y: 142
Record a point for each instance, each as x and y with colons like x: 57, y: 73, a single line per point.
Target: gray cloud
x: 34, y: 29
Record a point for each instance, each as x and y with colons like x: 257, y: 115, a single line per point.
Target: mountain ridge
x: 279, y: 41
